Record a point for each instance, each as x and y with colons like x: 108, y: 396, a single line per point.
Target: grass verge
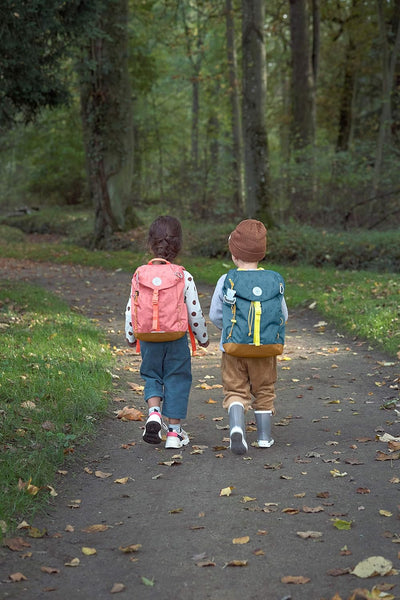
x: 54, y: 378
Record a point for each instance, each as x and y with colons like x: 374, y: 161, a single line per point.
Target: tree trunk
x: 389, y: 60
x: 237, y: 145
x: 348, y: 87
x: 302, y: 98
x: 253, y: 112
x: 106, y: 108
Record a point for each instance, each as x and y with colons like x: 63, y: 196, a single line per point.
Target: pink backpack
x: 158, y: 308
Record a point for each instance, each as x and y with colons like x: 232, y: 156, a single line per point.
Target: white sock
x: 175, y: 427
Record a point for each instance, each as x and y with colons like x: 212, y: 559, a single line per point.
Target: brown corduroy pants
x: 250, y: 381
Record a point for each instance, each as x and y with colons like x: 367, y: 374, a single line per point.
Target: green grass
x: 54, y: 378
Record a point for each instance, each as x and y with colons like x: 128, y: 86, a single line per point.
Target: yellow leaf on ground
x: 241, y: 540
x: 122, y: 480
x: 226, y: 491
x: 385, y: 513
x: 88, y: 551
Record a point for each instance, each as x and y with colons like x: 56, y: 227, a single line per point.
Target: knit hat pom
x: 248, y: 241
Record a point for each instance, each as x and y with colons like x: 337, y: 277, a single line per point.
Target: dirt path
x: 330, y: 392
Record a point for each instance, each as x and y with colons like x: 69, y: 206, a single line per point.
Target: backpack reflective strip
x: 257, y: 323
x: 156, y: 316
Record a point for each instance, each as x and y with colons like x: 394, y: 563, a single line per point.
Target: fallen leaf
x: 382, y: 456
x: 247, y: 499
x: 237, y: 563
x: 116, y: 588
x: 342, y: 525
x: 258, y: 552
x: 226, y: 491
x: 75, y: 562
x: 205, y: 563
x: 309, y: 534
x: 16, y: 544
x: 148, y: 582
x: 291, y: 511
x: 94, y: 528
x: 170, y: 463
x: 49, y: 570
x: 122, y: 480
x: 241, y: 540
x: 372, y: 566
x: 336, y: 473
x: 130, y: 548
x: 34, y: 532
x: 15, y: 577
x: 88, y: 551
x: 102, y: 475
x: 175, y: 511
x: 322, y: 495
x: 385, y: 513
x: 130, y: 414
x: 315, y: 509
x: 363, y: 490
x: 296, y: 579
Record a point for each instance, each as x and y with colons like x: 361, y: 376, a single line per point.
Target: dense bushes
x: 296, y: 244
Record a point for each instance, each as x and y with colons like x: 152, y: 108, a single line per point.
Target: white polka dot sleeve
x: 197, y: 321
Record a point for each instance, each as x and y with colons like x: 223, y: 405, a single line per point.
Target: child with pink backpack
x: 162, y: 307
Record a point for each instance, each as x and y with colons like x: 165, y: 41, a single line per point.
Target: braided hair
x: 165, y: 237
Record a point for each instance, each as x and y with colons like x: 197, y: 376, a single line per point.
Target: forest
x: 283, y: 110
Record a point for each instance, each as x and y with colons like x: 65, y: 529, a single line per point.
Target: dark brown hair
x: 165, y: 237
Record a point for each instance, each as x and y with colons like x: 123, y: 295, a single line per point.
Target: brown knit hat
x: 248, y: 241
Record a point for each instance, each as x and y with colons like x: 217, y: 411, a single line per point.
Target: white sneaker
x: 152, y: 429
x: 176, y: 440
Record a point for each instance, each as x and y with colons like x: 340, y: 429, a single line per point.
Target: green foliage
x: 356, y: 250
x: 44, y: 163
x: 74, y: 223
x: 35, y: 36
x: 54, y: 370
x: 11, y: 234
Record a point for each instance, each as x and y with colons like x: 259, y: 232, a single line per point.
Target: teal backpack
x: 253, y: 324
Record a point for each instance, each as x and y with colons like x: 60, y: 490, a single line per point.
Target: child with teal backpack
x: 249, y: 307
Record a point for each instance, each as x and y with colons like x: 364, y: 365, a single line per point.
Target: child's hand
x: 204, y: 344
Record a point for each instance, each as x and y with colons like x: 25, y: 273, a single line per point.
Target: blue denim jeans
x: 166, y: 370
